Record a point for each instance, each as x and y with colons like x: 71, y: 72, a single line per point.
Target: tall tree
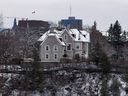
x: 110, y: 32
x: 124, y: 36
x: 99, y: 57
x: 95, y: 53
x: 94, y: 27
x: 115, y: 87
x: 115, y: 37
x: 104, y: 85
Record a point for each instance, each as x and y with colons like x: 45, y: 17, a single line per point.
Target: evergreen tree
x: 115, y: 87
x: 125, y: 79
x: 104, y: 85
x: 116, y: 33
x: 95, y: 53
x: 36, y: 72
x: 94, y: 27
x: 124, y: 36
x: 110, y: 32
x: 99, y: 57
x: 35, y: 76
x: 115, y: 37
x: 104, y: 62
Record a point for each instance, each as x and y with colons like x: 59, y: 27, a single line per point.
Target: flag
x: 33, y: 12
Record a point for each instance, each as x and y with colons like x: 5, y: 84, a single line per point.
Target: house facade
x: 55, y: 44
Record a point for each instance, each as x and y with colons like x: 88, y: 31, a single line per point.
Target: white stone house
x: 54, y: 44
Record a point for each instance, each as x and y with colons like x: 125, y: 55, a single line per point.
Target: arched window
x: 55, y: 48
x: 65, y: 37
x: 46, y: 56
x: 55, y: 56
x: 47, y: 48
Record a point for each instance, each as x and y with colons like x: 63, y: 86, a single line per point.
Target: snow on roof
x: 104, y: 33
x: 43, y: 36
x: 86, y: 35
x: 81, y: 36
x: 3, y: 29
x: 48, y: 33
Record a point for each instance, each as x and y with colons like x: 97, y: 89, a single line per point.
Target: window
x: 77, y: 47
x: 84, y: 51
x: 46, y: 56
x: 84, y: 35
x: 65, y: 37
x: 69, y: 47
x: 55, y: 56
x: 60, y: 39
x: 47, y: 48
x: 74, y: 35
x: 55, y: 48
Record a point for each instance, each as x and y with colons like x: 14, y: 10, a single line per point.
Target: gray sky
x: 103, y: 11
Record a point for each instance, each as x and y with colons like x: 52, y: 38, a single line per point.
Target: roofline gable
x: 53, y: 36
x: 68, y: 33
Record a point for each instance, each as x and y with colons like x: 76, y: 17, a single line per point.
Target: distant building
x: 72, y: 23
x: 4, y: 31
x: 56, y: 44
x: 33, y: 24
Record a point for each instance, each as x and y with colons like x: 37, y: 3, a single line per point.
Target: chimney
x: 51, y: 29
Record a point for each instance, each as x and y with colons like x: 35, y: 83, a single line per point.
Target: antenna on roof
x: 70, y: 8
x: 1, y: 19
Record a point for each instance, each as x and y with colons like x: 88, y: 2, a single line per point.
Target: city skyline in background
x: 104, y: 12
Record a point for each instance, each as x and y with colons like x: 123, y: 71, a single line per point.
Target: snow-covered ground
x: 83, y: 85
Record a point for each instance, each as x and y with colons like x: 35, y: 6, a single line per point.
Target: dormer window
x: 84, y: 35
x: 60, y: 39
x: 74, y: 35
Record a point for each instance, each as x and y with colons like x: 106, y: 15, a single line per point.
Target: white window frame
x: 48, y: 56
x: 56, y: 56
x: 55, y: 46
x: 46, y: 47
x: 66, y: 37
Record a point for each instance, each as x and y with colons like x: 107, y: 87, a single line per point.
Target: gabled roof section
x: 81, y: 36
x: 67, y: 31
x: 53, y: 35
x: 43, y: 37
x: 86, y: 35
x: 56, y: 32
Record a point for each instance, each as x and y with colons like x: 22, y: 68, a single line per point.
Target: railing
x: 52, y: 66
x: 43, y: 66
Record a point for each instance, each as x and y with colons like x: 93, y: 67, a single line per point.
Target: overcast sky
x: 102, y: 11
